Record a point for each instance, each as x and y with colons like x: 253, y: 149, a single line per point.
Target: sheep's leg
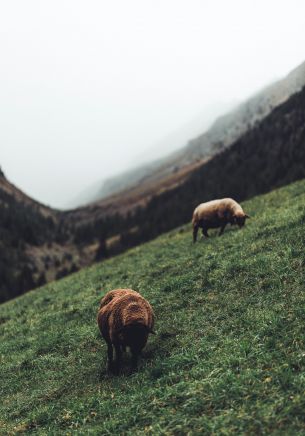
x: 195, y: 231
x: 205, y: 232
x: 134, y: 361
x: 118, y: 358
x: 110, y: 356
x: 222, y: 229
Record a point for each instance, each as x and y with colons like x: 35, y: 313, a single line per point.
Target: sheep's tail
x: 195, y: 226
x: 194, y: 218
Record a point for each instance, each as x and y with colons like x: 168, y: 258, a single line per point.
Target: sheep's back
x: 105, y: 310
x: 214, y: 209
x: 129, y: 309
x: 122, y: 307
x: 116, y: 293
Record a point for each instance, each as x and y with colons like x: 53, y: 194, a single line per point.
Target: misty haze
x: 89, y: 92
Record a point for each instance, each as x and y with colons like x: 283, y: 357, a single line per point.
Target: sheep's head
x: 240, y: 219
x: 135, y: 336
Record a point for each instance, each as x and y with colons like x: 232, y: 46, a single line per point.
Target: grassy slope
x: 229, y: 354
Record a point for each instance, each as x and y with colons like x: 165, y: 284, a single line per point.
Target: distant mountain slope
x: 177, y: 139
x: 269, y: 155
x: 35, y: 246
x: 151, y: 158
x: 9, y: 190
x: 223, y: 132
x: 227, y: 357
x: 23, y: 223
x: 229, y: 127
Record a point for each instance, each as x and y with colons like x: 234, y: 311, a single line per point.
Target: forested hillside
x: 23, y: 223
x: 271, y: 154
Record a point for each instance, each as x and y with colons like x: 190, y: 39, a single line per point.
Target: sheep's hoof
x: 133, y: 370
x: 115, y: 369
x: 111, y: 367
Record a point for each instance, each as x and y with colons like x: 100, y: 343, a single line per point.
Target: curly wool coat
x: 217, y: 213
x: 125, y: 319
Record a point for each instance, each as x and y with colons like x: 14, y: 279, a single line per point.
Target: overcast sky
x: 87, y: 86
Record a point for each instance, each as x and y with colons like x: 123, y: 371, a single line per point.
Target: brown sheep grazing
x: 125, y: 319
x: 217, y: 213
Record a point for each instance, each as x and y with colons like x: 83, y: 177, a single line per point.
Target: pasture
x: 228, y: 356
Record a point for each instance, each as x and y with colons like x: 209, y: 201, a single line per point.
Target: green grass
x: 228, y: 357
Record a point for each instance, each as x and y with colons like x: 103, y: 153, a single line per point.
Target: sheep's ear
x: 247, y: 216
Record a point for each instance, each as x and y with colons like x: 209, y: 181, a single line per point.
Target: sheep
x: 217, y: 213
x: 125, y: 319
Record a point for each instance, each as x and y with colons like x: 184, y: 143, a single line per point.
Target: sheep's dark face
x: 240, y: 219
x: 135, y: 336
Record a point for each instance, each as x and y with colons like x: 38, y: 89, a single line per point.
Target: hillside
x: 35, y: 245
x: 228, y: 356
x: 24, y: 223
x: 223, y: 132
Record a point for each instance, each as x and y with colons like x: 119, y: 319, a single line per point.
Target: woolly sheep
x: 125, y: 319
x: 217, y: 213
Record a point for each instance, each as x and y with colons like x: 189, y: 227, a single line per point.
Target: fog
x: 87, y: 87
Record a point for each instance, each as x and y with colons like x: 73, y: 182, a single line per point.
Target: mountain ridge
x: 225, y: 130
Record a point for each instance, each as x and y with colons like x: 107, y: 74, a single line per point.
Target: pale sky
x: 87, y: 86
